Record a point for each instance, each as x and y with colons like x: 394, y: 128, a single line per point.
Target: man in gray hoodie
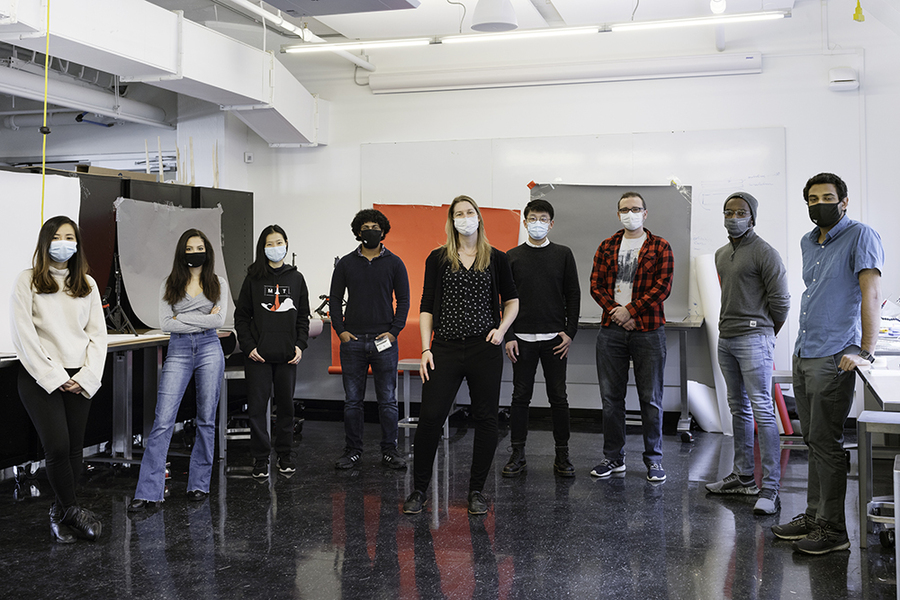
x: 755, y: 304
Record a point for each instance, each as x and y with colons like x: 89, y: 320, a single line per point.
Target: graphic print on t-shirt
x: 629, y: 251
x: 281, y: 298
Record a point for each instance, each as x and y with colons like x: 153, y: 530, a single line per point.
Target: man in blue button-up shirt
x: 840, y: 313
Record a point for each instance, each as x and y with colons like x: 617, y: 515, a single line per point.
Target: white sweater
x: 55, y: 332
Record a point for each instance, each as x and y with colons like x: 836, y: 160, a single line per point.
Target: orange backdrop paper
x: 415, y: 231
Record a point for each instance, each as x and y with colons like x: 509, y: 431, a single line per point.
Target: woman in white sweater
x: 59, y: 333
x: 190, y: 309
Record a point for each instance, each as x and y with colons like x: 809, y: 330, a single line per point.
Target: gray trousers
x: 824, y: 396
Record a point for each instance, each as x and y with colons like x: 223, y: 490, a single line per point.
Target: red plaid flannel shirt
x: 652, y: 280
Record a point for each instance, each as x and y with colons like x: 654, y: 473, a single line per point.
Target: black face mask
x: 370, y: 238
x: 825, y: 215
x: 197, y: 259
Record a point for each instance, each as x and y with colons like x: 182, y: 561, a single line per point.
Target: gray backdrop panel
x: 585, y: 215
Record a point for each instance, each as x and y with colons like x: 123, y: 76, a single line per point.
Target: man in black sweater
x: 549, y: 302
x: 373, y: 277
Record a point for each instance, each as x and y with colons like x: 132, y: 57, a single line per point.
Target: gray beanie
x: 751, y: 202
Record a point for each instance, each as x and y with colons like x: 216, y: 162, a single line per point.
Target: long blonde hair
x: 451, y: 248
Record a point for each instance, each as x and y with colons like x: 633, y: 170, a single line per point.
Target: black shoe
x: 348, y: 459
x: 392, y: 459
x: 286, y: 465
x: 478, y: 504
x: 59, y: 533
x: 516, y: 464
x: 138, y: 505
x: 196, y: 495
x: 83, y: 522
x: 415, y: 503
x: 260, y: 468
x: 823, y: 539
x: 799, y: 527
x: 562, y: 466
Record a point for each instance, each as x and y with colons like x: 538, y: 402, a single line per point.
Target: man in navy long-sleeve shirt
x: 368, y: 328
x: 549, y: 301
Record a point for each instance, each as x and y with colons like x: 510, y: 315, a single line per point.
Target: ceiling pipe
x: 77, y: 97
x: 305, y: 34
x: 56, y: 119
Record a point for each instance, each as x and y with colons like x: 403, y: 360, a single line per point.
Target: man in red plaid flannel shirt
x: 631, y: 278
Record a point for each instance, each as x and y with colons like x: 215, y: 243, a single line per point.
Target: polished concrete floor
x: 324, y: 534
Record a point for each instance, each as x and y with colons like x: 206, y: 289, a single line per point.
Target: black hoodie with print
x: 272, y: 314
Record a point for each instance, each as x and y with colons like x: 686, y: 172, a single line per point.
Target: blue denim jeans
x: 746, y: 362
x: 647, y: 350
x: 356, y: 358
x: 824, y: 396
x: 189, y: 354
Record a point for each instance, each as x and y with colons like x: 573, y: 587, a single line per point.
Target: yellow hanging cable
x: 45, y: 130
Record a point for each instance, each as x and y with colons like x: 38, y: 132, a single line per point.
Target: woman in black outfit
x: 465, y: 282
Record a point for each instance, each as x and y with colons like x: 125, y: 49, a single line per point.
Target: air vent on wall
x: 316, y: 8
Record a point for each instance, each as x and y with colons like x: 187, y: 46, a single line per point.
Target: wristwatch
x: 867, y: 356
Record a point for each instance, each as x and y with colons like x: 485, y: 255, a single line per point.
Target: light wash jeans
x: 746, y: 362
x: 190, y: 354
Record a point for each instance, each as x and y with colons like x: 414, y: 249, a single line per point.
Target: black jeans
x: 260, y: 379
x: 524, y: 369
x: 60, y: 419
x: 480, y: 363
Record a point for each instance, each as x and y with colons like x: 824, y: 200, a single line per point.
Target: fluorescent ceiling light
x: 518, y: 35
x: 714, y: 20
x: 305, y: 48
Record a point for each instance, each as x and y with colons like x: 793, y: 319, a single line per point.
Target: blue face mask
x: 276, y: 253
x: 62, y: 250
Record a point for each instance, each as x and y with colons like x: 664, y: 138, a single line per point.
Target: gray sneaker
x: 799, y: 527
x: 733, y: 485
x: 768, y: 503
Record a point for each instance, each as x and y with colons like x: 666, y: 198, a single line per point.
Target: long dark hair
x: 176, y: 282
x: 257, y: 269
x: 77, y: 284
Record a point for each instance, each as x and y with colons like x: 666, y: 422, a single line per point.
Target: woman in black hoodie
x: 272, y: 322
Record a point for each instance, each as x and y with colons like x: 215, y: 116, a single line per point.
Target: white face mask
x: 276, y: 253
x: 466, y: 225
x: 632, y: 221
x: 62, y: 250
x: 537, y: 230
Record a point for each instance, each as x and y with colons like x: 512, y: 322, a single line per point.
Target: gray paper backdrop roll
x: 22, y: 192
x: 147, y: 234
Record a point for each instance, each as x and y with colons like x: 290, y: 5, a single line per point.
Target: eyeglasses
x: 533, y: 220
x: 740, y: 214
x: 634, y: 209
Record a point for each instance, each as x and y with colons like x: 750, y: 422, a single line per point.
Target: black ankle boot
x: 516, y: 464
x: 59, y: 533
x: 83, y: 522
x: 562, y: 466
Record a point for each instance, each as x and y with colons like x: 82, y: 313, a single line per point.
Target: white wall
x: 315, y: 192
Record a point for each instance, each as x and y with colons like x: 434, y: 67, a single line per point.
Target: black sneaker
x: 285, y: 464
x: 516, y: 465
x: 655, y: 472
x: 800, y: 527
x: 733, y: 484
x: 348, y: 459
x: 478, y: 504
x: 392, y: 459
x: 562, y: 466
x: 608, y: 467
x: 415, y: 503
x: 260, y: 468
x: 823, y: 539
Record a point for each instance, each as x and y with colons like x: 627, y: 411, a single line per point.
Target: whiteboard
x: 496, y: 172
